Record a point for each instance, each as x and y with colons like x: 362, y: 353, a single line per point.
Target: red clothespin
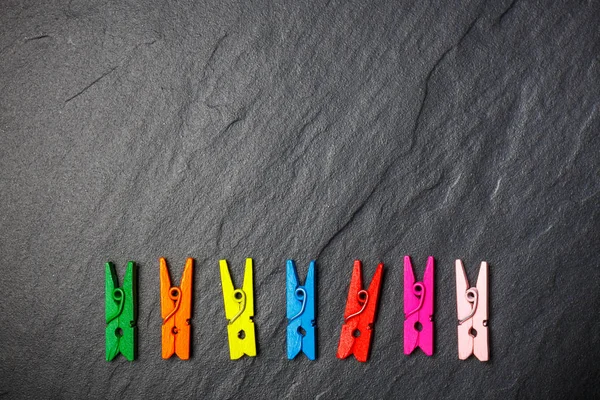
x: 359, y: 317
x: 418, y: 308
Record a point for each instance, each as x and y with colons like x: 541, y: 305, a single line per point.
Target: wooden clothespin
x: 418, y: 308
x: 120, y: 312
x: 472, y: 310
x: 176, y: 311
x: 359, y: 317
x: 301, y: 307
x: 239, y: 310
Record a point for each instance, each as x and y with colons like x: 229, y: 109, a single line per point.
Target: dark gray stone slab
x: 331, y: 130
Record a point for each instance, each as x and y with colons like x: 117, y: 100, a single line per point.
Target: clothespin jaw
x: 472, y: 311
x: 239, y: 310
x: 176, y: 311
x: 418, y: 308
x: 359, y: 317
x: 120, y: 312
x: 301, y: 312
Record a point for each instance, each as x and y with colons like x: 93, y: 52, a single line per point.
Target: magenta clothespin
x: 472, y: 309
x: 418, y: 309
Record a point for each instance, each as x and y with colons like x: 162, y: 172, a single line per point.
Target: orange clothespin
x: 176, y: 311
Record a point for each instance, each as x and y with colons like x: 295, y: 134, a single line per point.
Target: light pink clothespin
x: 472, y: 309
x: 418, y: 309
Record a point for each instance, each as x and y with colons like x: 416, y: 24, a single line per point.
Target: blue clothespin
x: 301, y: 307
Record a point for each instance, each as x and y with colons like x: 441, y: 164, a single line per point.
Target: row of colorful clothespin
x: 359, y: 315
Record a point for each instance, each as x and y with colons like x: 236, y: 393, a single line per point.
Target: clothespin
x: 301, y: 312
x: 176, y: 311
x: 239, y: 310
x: 418, y: 308
x: 120, y: 309
x: 472, y: 309
x: 359, y: 317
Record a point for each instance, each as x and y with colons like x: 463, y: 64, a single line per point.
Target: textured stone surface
x: 332, y: 130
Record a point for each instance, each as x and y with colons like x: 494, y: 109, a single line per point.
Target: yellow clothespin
x: 239, y: 310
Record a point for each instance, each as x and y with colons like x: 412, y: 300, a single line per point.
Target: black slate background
x: 335, y: 130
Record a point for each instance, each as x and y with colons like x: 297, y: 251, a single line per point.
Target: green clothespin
x: 120, y: 312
